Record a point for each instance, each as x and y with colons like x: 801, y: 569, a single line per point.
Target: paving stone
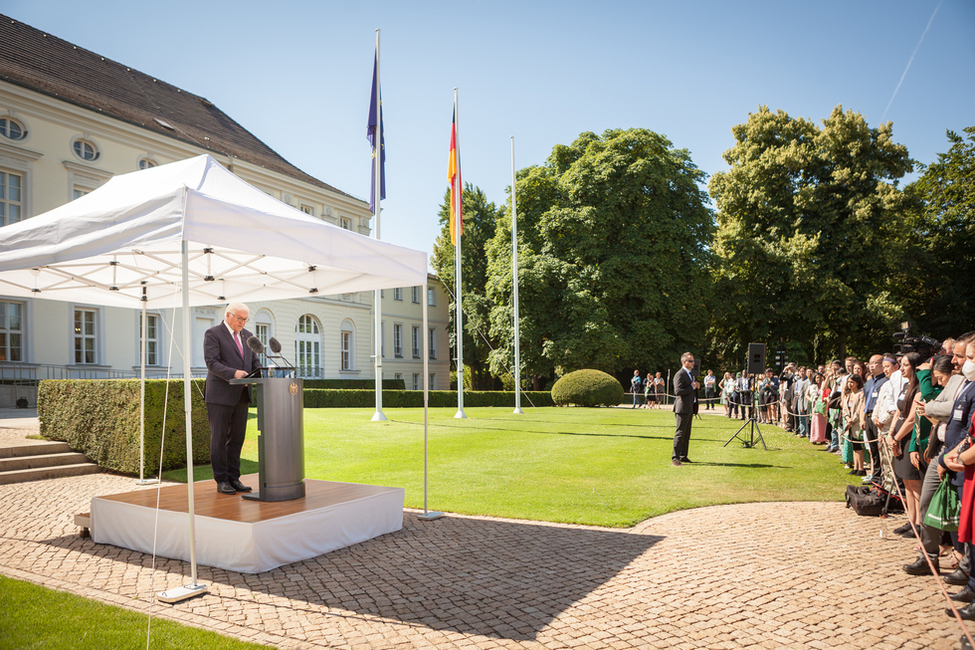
x: 801, y: 575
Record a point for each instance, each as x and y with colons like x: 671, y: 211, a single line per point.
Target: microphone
x: 275, y: 346
x: 255, y: 345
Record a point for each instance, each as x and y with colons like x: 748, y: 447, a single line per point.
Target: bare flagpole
x: 458, y: 188
x: 514, y: 282
x: 427, y: 515
x: 377, y: 155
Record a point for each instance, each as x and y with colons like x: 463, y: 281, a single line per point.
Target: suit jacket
x: 684, y: 390
x: 223, y: 359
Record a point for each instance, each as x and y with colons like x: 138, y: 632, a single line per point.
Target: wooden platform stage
x: 242, y: 535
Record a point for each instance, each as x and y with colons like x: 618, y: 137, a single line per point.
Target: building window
x: 146, y: 163
x: 397, y: 340
x: 11, y: 331
x: 11, y: 202
x: 264, y: 330
x: 12, y: 129
x: 85, y: 332
x: 77, y: 193
x: 85, y: 149
x: 397, y: 294
x: 433, y: 383
x: 307, y: 209
x: 431, y: 297
x: 345, y: 223
x: 347, y: 345
x: 152, y: 339
x: 416, y: 381
x: 416, y: 295
x: 382, y: 339
x: 415, y: 338
x: 432, y: 343
x: 398, y: 376
x: 308, y: 347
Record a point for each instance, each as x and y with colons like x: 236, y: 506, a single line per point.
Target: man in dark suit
x: 228, y: 357
x: 685, y: 404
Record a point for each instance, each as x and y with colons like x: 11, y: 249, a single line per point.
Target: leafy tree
x: 942, y: 260
x: 480, y: 220
x: 809, y: 224
x: 613, y: 239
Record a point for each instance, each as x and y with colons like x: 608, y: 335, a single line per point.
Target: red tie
x: 240, y: 348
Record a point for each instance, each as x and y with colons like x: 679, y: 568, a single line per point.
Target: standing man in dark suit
x: 685, y: 403
x: 228, y: 357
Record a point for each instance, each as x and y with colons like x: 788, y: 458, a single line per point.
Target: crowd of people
x: 902, y: 421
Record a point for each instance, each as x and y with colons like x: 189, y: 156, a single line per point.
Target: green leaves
x: 614, y: 246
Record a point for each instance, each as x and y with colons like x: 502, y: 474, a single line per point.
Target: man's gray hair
x: 235, y: 307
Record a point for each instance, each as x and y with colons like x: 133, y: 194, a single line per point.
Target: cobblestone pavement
x: 782, y: 575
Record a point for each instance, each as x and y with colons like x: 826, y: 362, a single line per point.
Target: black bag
x: 865, y: 500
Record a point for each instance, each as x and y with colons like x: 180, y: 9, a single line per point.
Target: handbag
x: 944, y: 511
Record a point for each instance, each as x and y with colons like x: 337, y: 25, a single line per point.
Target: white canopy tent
x: 242, y: 245
x: 193, y: 229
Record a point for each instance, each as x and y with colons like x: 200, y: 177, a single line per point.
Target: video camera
x: 925, y: 346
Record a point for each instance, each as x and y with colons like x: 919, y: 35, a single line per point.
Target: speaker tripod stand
x: 750, y: 443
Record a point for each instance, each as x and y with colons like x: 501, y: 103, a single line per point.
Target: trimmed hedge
x: 100, y: 418
x: 587, y: 388
x: 354, y: 384
x: 318, y: 398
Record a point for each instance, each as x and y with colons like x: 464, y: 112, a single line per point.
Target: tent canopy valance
x: 108, y: 246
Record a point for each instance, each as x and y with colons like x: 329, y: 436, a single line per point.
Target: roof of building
x: 50, y: 65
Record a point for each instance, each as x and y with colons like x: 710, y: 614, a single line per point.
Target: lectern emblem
x: 293, y: 388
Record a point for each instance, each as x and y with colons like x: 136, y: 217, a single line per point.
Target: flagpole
x: 458, y: 225
x: 427, y: 515
x: 514, y: 282
x: 377, y: 155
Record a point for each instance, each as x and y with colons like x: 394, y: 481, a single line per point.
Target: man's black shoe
x: 966, y: 595
x: 967, y: 612
x: 686, y: 460
x: 238, y: 486
x: 900, y: 530
x: 920, y: 567
x: 958, y: 578
x: 225, y: 488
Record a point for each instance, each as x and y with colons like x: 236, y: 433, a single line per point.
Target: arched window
x: 308, y: 347
x: 146, y: 162
x: 347, y: 345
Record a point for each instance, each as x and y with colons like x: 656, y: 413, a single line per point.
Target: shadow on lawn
x: 501, y: 579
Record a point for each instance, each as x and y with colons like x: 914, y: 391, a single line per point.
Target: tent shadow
x: 501, y: 579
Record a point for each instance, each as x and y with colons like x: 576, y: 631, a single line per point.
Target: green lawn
x: 35, y: 618
x: 606, y: 467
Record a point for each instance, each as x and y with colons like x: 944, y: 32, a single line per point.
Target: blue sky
x: 297, y: 75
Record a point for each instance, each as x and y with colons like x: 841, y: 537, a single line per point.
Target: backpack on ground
x: 866, y: 500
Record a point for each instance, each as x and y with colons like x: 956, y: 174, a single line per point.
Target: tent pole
x: 142, y: 395
x: 194, y: 588
x: 427, y: 515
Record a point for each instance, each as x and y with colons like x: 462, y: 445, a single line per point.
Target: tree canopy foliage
x: 613, y: 239
x: 941, y: 260
x: 810, y: 224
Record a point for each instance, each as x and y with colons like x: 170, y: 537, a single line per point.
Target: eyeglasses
x: 242, y: 319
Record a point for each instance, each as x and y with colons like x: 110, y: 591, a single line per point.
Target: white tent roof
x: 244, y: 245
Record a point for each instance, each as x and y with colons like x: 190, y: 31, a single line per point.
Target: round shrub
x: 587, y: 388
